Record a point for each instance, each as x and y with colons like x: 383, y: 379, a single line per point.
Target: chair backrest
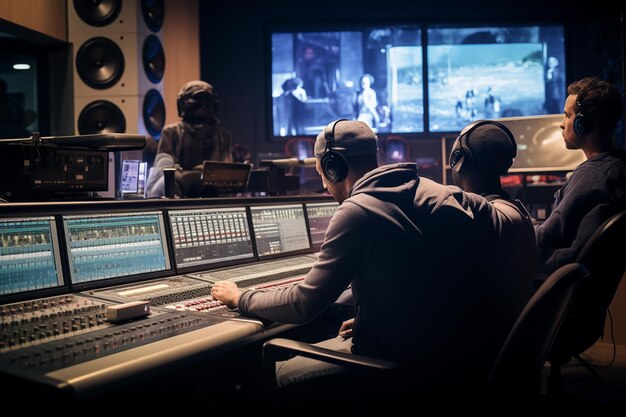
x: 517, y: 370
x: 604, y: 255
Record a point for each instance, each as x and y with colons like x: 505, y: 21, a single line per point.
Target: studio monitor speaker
x: 119, y: 63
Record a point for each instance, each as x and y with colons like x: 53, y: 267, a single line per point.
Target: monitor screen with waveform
x: 29, y: 255
x: 104, y: 246
x: 319, y: 215
x: 279, y: 229
x: 210, y: 236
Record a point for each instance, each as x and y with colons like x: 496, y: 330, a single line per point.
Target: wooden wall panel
x: 45, y: 16
x: 181, y: 42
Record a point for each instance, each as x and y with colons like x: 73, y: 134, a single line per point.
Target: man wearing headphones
x: 416, y: 254
x: 197, y: 137
x: 596, y: 189
x: 483, y: 151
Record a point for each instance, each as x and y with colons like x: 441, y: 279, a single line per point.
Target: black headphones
x: 334, y: 164
x: 180, y: 100
x: 583, y: 122
x: 461, y: 159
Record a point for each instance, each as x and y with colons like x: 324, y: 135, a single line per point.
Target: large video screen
x: 373, y: 74
x: 494, y: 72
x: 381, y: 74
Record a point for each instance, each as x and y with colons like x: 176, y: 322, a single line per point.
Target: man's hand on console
x: 226, y: 292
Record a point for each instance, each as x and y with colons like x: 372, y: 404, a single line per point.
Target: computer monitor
x: 105, y: 246
x: 29, y: 255
x: 540, y: 145
x: 203, y: 237
x: 319, y: 215
x: 279, y: 229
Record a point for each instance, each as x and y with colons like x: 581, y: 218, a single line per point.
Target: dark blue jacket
x: 595, y: 191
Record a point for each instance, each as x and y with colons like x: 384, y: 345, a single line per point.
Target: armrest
x: 275, y: 347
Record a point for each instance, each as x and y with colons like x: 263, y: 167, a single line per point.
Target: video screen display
x: 279, y: 229
x: 494, y: 72
x: 363, y: 74
x: 376, y: 74
x: 29, y: 255
x: 319, y: 215
x: 103, y: 246
x: 208, y: 236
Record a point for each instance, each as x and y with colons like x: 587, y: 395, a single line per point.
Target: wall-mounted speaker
x: 119, y: 63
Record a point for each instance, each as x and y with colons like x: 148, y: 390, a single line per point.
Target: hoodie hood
x: 400, y: 185
x: 388, y: 182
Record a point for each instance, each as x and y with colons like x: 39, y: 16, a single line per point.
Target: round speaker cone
x: 99, y: 117
x: 100, y: 63
x: 153, y: 58
x: 154, y: 113
x: 97, y: 12
x: 153, y: 12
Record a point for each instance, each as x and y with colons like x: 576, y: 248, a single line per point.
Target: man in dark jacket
x: 597, y: 188
x: 415, y: 254
x: 197, y: 137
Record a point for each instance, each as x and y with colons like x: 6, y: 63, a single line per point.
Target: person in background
x: 554, y: 81
x: 411, y: 249
x: 197, y: 137
x: 596, y: 189
x: 294, y: 99
x: 366, y: 102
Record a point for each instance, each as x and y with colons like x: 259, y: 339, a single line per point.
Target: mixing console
x: 261, y: 272
x: 63, y: 352
x: 193, y: 292
x: 39, y: 321
x: 158, y: 292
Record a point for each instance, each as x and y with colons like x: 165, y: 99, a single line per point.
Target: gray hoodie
x: 424, y: 262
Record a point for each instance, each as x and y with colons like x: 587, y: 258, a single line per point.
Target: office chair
x: 604, y: 255
x: 514, y: 381
x: 367, y: 377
